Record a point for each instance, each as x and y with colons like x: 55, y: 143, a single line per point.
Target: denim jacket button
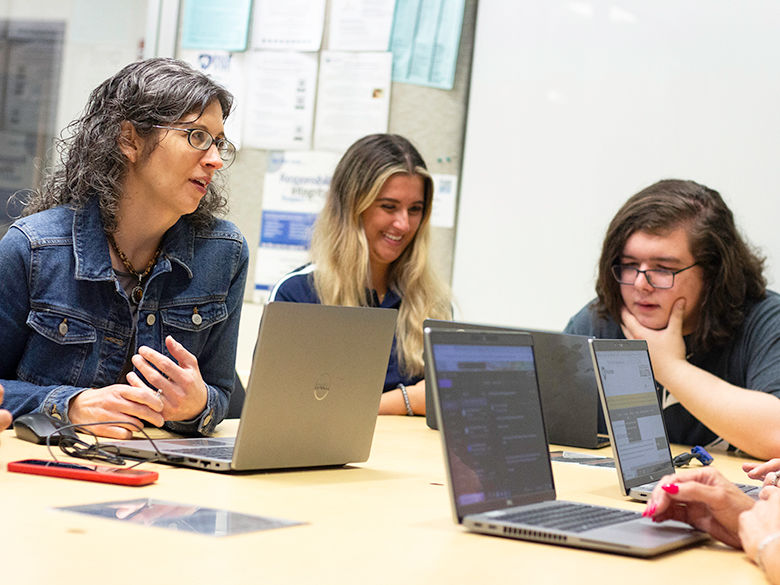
x: 150, y: 319
x: 63, y: 328
x: 197, y: 319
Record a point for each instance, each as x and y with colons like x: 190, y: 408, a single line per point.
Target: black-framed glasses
x: 201, y: 140
x: 656, y: 277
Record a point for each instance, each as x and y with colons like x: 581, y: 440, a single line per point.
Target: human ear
x: 129, y: 142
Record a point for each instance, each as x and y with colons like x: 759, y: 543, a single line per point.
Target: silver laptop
x: 312, y: 398
x: 570, y: 399
x: 499, y: 472
x: 634, y: 419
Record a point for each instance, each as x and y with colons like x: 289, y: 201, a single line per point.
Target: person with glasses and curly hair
x: 123, y: 290
x: 675, y: 271
x: 370, y: 248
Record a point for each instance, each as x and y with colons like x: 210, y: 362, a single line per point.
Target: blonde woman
x: 370, y: 248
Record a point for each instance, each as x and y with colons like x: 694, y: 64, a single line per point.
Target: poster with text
x: 294, y: 191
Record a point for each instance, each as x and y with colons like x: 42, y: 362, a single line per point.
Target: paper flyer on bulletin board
x: 294, y: 191
x: 227, y: 69
x: 281, y: 87
x: 360, y: 26
x: 291, y: 25
x: 445, y: 197
x: 425, y: 41
x: 217, y: 25
x: 353, y: 97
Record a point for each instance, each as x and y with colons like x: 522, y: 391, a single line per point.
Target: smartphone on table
x: 84, y: 471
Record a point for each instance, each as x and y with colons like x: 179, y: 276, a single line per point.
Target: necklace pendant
x: 137, y: 294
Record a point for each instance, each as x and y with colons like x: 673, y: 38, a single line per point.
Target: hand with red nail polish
x: 702, y: 498
x: 649, y: 511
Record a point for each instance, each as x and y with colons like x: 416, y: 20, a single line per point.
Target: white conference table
x: 387, y: 520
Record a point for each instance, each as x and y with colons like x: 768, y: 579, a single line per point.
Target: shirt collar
x: 392, y: 299
x: 90, y: 246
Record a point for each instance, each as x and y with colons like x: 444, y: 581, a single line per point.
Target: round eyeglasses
x: 201, y: 140
x: 656, y: 277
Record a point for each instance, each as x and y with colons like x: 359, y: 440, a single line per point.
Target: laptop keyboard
x: 570, y: 516
x: 751, y: 490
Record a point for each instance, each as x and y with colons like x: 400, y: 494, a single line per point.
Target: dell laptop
x: 570, y: 399
x: 635, y: 422
x: 313, y: 394
x: 498, y: 468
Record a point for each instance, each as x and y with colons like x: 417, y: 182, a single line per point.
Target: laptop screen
x: 491, y: 419
x: 634, y: 414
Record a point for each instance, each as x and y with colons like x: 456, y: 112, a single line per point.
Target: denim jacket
x: 65, y: 321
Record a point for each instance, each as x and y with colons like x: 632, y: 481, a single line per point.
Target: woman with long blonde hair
x: 370, y: 249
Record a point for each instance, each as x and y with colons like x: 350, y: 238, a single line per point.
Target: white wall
x: 576, y: 105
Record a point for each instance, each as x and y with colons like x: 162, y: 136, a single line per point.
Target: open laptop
x: 312, y: 398
x: 499, y: 472
x: 635, y: 421
x: 570, y: 398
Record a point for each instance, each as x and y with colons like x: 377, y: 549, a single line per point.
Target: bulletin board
x: 432, y: 118
x: 104, y: 35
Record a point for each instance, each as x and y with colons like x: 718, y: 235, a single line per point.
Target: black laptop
x: 570, y: 399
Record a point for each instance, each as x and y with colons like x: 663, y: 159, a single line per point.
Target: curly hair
x: 733, y: 271
x: 340, y: 250
x: 157, y: 91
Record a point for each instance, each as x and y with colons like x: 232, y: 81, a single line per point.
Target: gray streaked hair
x: 157, y: 91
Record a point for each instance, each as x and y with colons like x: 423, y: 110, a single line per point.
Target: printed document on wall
x: 281, y: 86
x: 227, y: 69
x: 353, y: 97
x: 296, y: 183
x: 360, y: 25
x: 445, y: 191
x: 425, y: 41
x: 218, y: 25
x: 290, y: 25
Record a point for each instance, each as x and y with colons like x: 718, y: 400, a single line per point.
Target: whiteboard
x: 575, y: 106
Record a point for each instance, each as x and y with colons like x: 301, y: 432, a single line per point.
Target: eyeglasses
x: 656, y: 277
x: 202, y: 140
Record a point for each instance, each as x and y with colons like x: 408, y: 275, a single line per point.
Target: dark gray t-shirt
x: 751, y: 359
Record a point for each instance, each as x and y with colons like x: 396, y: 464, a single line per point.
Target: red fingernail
x: 670, y: 488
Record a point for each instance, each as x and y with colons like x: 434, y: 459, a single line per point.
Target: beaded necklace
x: 138, y: 292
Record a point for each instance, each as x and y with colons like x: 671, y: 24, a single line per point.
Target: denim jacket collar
x: 93, y: 261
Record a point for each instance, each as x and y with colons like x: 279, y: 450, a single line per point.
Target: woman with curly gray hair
x: 123, y: 289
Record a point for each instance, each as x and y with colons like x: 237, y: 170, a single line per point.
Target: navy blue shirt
x: 751, y: 359
x: 298, y: 287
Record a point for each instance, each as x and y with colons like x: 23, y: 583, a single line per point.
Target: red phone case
x: 87, y: 472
